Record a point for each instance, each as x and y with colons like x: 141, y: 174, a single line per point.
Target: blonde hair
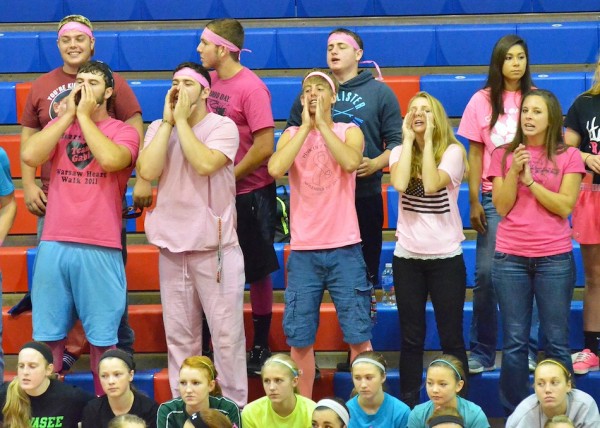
x: 75, y: 18
x: 79, y: 19
x: 17, y: 409
x: 442, y: 137
x: 595, y: 89
x: 126, y: 420
x: 203, y: 363
x: 320, y: 79
x: 564, y: 419
x: 284, y: 361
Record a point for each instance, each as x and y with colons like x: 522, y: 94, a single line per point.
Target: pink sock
x: 95, y: 354
x: 261, y: 296
x: 357, y: 348
x: 58, y: 350
x: 305, y: 359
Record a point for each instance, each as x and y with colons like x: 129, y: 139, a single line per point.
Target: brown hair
x: 566, y: 373
x: 371, y: 355
x: 206, y: 365
x: 553, y: 141
x: 495, y: 79
x: 350, y: 33
x: 445, y: 415
x: 213, y: 418
x: 230, y: 29
x: 451, y: 363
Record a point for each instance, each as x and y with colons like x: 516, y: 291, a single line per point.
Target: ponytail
x: 17, y: 410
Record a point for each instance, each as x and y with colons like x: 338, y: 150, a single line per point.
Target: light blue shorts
x: 343, y: 272
x: 71, y: 281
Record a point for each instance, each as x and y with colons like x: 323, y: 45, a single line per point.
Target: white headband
x: 336, y: 407
x: 285, y: 363
x: 370, y: 361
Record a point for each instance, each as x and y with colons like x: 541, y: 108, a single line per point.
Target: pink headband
x: 349, y: 40
x: 220, y: 41
x: 324, y: 76
x: 70, y: 26
x: 188, y: 72
x: 345, y: 38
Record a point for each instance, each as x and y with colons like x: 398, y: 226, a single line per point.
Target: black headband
x: 42, y: 348
x: 197, y: 421
x: 121, y: 355
x: 445, y: 419
x: 106, y: 71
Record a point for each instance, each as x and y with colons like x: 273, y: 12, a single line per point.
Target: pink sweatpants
x: 188, y: 286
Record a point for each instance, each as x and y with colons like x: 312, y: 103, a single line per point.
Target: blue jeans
x: 342, y: 271
x: 484, y: 324
x: 517, y: 280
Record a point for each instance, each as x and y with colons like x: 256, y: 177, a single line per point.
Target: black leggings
x: 444, y: 280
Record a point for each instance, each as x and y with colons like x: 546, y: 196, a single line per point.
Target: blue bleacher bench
x: 305, y: 47
x: 561, y: 43
x: 469, y: 44
x: 155, y: 10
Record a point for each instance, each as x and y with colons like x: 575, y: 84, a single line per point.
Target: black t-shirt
x: 584, y: 118
x: 61, y: 406
x: 97, y: 414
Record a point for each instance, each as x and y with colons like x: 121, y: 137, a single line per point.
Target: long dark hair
x: 495, y: 79
x: 553, y: 142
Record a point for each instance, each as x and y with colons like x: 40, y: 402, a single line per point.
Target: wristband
x: 166, y: 121
x: 530, y: 184
x: 586, y: 158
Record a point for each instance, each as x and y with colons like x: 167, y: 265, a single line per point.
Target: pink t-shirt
x: 49, y: 89
x: 430, y: 223
x: 86, y: 202
x: 188, y: 205
x: 475, y: 126
x: 529, y: 229
x: 245, y: 99
x: 321, y: 196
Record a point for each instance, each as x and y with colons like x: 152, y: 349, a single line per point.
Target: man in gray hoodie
x: 372, y: 105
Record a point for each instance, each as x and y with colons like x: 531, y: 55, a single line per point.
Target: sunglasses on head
x: 132, y: 212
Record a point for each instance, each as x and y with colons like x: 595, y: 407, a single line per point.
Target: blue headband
x: 449, y: 364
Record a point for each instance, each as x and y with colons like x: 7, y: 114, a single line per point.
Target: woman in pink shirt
x: 535, y: 182
x: 489, y: 121
x: 427, y: 170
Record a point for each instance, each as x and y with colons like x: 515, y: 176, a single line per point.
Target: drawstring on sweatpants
x: 220, y: 252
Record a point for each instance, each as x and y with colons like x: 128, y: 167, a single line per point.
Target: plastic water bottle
x: 387, y: 285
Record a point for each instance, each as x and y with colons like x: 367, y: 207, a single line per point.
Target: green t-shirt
x: 260, y: 414
x: 172, y: 414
